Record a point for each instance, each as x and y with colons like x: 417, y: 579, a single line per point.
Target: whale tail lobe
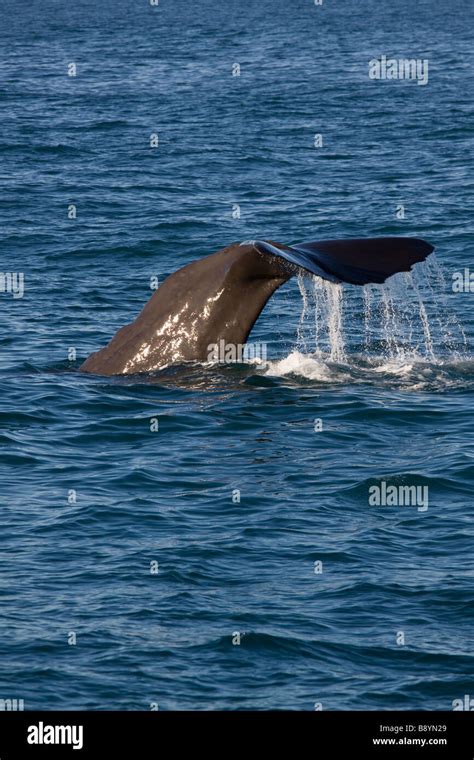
x: 357, y: 261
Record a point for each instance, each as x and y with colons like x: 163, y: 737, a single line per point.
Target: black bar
x: 306, y: 734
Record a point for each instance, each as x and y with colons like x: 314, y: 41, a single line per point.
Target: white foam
x: 409, y: 373
x: 307, y: 366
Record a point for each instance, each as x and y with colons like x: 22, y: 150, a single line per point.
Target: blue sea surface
x: 231, y: 559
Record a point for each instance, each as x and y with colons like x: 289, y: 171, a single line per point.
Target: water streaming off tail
x: 405, y: 318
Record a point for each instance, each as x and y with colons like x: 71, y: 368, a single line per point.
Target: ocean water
x: 131, y: 575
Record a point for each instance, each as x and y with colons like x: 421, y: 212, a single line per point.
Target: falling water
x: 300, y: 333
x: 406, y: 318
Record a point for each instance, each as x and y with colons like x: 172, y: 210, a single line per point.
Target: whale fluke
x: 219, y: 297
x: 358, y: 261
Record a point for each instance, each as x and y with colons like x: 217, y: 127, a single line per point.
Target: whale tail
x: 357, y: 261
x: 220, y: 297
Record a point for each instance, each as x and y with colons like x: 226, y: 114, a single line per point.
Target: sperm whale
x: 220, y: 296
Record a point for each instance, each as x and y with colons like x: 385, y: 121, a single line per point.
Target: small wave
x: 47, y: 150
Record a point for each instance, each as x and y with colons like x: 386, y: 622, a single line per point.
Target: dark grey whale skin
x: 219, y: 297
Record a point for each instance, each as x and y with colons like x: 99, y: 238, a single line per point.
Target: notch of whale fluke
x: 357, y: 261
x: 220, y: 297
